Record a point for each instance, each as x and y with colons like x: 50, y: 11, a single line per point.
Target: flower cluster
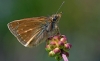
x: 58, y: 46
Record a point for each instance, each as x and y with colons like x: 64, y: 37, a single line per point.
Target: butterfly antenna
x: 60, y: 6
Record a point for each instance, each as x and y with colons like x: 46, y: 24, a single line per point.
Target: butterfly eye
x: 55, y: 18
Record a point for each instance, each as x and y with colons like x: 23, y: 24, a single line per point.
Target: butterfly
x: 32, y: 31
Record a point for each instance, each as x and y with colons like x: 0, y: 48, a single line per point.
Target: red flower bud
x: 56, y: 37
x: 61, y: 43
x: 52, y: 43
x: 57, y: 50
x: 68, y: 46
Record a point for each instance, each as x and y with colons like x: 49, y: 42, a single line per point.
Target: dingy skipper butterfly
x: 33, y: 31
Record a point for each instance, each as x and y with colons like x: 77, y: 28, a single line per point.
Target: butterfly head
x: 56, y: 17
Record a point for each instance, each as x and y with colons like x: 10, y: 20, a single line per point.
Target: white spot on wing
x: 28, y: 30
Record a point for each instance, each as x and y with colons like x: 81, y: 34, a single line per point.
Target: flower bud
x: 61, y: 43
x: 52, y: 43
x: 56, y: 37
x: 52, y: 53
x: 68, y: 46
x: 63, y: 36
x: 57, y: 50
x: 63, y: 40
x: 48, y: 48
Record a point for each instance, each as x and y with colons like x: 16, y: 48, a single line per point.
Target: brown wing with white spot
x: 25, y: 30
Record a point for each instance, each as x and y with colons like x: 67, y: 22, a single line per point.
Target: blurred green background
x: 80, y: 22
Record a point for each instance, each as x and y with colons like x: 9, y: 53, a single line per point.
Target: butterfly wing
x: 28, y: 30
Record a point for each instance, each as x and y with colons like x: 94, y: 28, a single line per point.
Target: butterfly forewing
x: 26, y: 30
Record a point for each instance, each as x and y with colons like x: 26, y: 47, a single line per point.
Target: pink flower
x: 58, y: 47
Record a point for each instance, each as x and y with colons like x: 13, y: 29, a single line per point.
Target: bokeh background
x: 80, y: 22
